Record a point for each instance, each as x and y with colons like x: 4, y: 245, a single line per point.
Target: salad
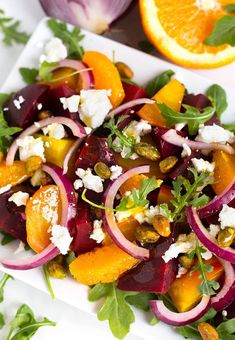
x: 129, y: 190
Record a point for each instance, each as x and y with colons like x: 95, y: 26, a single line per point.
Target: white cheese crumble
x: 127, y: 150
x: 39, y: 106
x: 203, y: 166
x: 224, y: 313
x: 61, y: 238
x: 227, y: 217
x: 18, y: 102
x: 97, y: 234
x: 138, y: 129
x: 116, y: 171
x: 54, y: 130
x: 214, y: 134
x: 89, y: 180
x: 213, y: 230
x: 94, y: 107
x: 88, y: 130
x: 186, y: 151
x: 122, y: 215
x: 30, y: 146
x: 54, y: 51
x: 71, y: 103
x: 181, y: 271
x: 36, y: 179
x: 19, y: 198
x: 179, y: 126
x: 148, y: 214
x: 5, y: 188
x: 78, y: 184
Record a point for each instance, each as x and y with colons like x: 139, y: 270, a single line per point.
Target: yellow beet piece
x: 171, y: 94
x: 102, y: 265
x: 106, y: 75
x: 13, y: 174
x: 224, y: 172
x: 56, y: 149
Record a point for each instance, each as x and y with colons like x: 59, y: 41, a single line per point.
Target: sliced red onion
x: 130, y: 104
x: 69, y: 155
x: 206, y: 239
x: 95, y: 16
x: 109, y: 218
x: 68, y: 200
x: 216, y: 204
x: 226, y: 295
x: 76, y: 128
x: 172, y: 137
x: 179, y: 319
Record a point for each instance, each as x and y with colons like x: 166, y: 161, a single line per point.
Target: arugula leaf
x: 192, y: 116
x: 146, y: 46
x: 141, y: 300
x: 114, y: 309
x: 7, y: 238
x: 230, y: 127
x: 48, y: 281
x: 24, y: 325
x: 5, y: 133
x: 45, y: 70
x: 218, y: 97
x: 2, y: 321
x: 3, y: 282
x: 223, y: 32
x: 158, y: 82
x: 226, y: 328
x: 153, y: 321
x: 230, y: 8
x: 4, y: 97
x: 29, y: 75
x: 70, y: 38
x: 9, y: 28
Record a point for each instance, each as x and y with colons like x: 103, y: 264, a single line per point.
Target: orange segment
x: 13, y: 174
x: 171, y: 94
x: 106, y: 75
x: 101, y: 265
x: 178, y: 29
x: 61, y: 76
x: 164, y: 195
x: 224, y: 172
x: 127, y: 227
x: 42, y: 210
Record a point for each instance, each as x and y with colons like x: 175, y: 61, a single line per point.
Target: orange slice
x: 178, y: 29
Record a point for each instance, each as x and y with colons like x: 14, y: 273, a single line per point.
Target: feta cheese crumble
x: 138, y: 129
x: 214, y: 134
x: 54, y: 130
x: 97, y: 234
x: 36, y: 179
x: 116, y: 171
x: 30, y: 146
x: 181, y: 271
x: 5, y: 188
x: 61, y: 238
x: 227, y: 217
x: 94, y: 107
x: 39, y: 106
x: 54, y: 51
x: 186, y: 151
x: 18, y: 102
x: 179, y: 126
x: 89, y: 180
x: 71, y: 103
x: 213, y: 230
x: 203, y: 166
x: 148, y: 214
x: 19, y: 198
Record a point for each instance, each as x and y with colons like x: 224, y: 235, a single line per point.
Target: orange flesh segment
x: 224, y: 172
x: 127, y: 227
x: 184, y: 290
x: 106, y: 75
x: 102, y: 265
x: 42, y: 210
x: 67, y: 79
x: 164, y: 195
x: 13, y: 174
x: 171, y: 94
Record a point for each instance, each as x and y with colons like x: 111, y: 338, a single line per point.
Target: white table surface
x: 71, y: 323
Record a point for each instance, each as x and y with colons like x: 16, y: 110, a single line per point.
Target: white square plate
x: 145, y: 67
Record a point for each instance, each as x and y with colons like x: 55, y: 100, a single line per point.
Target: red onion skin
x: 206, y: 239
x: 179, y: 319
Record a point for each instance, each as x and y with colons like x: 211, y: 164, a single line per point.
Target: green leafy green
x: 45, y: 70
x: 4, y: 97
x: 48, y: 281
x: 115, y: 309
x: 226, y: 329
x: 3, y: 282
x: 2, y: 321
x: 141, y: 300
x: 153, y: 321
x: 24, y: 324
x: 146, y: 46
x: 29, y: 75
x: 223, y: 32
x: 192, y: 116
x: 7, y: 238
x: 71, y: 38
x: 5, y: 133
x: 158, y: 82
x: 218, y: 97
x: 10, y: 30
x: 230, y: 8
x: 230, y: 127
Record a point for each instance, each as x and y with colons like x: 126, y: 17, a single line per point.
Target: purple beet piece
x: 153, y: 276
x: 183, y: 164
x: 83, y: 228
x: 166, y: 149
x: 25, y: 113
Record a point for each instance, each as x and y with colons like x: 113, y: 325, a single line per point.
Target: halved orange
x: 178, y: 30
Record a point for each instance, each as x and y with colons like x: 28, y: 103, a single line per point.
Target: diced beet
x: 166, y: 149
x: 28, y: 112
x: 82, y: 230
x: 183, y: 164
x: 153, y: 276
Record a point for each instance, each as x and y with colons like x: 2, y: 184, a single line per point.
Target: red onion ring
x: 226, y: 295
x: 69, y: 155
x: 216, y: 204
x: 68, y: 199
x: 206, y: 239
x: 109, y: 218
x: 172, y: 137
x: 76, y: 128
x: 179, y: 319
x: 129, y: 105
